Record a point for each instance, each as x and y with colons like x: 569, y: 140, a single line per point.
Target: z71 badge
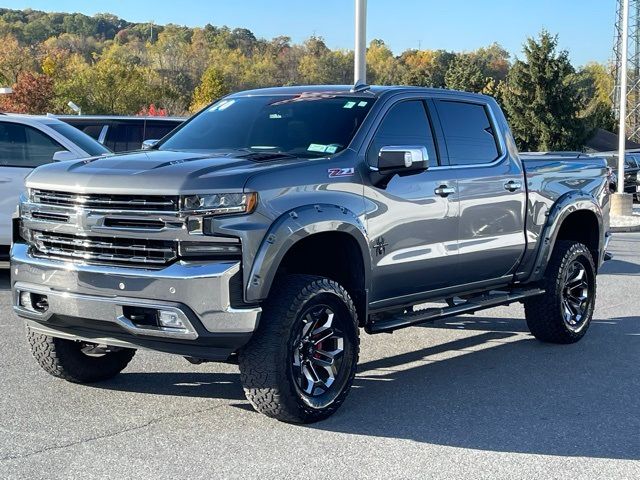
x: 341, y: 172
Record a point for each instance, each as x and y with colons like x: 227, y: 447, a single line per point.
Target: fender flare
x: 293, y: 226
x: 566, y: 205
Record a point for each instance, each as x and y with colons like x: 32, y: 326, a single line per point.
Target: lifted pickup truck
x: 273, y: 225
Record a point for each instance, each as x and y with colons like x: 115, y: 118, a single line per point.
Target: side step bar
x: 471, y: 305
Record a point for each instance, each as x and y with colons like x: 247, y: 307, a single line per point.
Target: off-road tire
x: 266, y: 369
x: 544, y: 312
x: 65, y: 359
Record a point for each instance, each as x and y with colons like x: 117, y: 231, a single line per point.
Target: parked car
x: 278, y: 221
x: 27, y: 142
x: 122, y: 134
x: 631, y: 169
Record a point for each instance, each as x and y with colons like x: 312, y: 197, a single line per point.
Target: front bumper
x: 90, y: 302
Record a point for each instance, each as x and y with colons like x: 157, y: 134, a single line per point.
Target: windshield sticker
x: 341, y: 172
x: 349, y: 105
x: 362, y: 104
x: 331, y: 149
x: 317, y: 147
x: 275, y: 115
x: 224, y: 104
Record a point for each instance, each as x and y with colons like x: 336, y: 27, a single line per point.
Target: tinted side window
x: 22, y: 146
x: 93, y: 130
x: 124, y: 136
x: 405, y: 124
x: 468, y: 133
x: 40, y: 147
x: 157, y: 130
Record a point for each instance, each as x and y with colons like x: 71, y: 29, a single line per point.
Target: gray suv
x: 275, y: 224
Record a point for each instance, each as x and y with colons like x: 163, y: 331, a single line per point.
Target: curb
x: 625, y: 229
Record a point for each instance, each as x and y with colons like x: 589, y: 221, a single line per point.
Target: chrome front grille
x: 125, y: 251
x: 158, y: 203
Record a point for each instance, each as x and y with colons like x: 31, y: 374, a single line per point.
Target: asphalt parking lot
x: 473, y: 396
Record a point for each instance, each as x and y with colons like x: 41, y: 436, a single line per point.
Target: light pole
x: 360, y: 53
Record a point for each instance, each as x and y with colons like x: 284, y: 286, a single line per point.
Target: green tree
x: 542, y: 102
x: 211, y: 88
x: 425, y: 68
x: 595, y: 83
x: 465, y: 73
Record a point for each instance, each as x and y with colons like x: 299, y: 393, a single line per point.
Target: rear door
x: 491, y: 191
x: 22, y: 148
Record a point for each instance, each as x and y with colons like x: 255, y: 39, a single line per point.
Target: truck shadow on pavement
x: 180, y: 384
x: 504, y: 391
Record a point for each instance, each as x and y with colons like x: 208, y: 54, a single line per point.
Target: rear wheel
x: 563, y: 313
x: 76, y: 361
x: 300, y: 364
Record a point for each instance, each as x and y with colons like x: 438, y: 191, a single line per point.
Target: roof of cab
x: 369, y: 90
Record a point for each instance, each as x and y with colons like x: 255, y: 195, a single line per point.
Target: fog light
x: 25, y: 300
x: 170, y: 319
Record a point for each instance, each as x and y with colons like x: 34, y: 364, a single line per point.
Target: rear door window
x: 157, y: 130
x: 124, y: 136
x: 468, y: 131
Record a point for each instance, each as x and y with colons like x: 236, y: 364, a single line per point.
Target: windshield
x: 308, y: 125
x: 81, y: 139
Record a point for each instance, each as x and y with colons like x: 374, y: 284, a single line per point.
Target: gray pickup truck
x: 274, y: 224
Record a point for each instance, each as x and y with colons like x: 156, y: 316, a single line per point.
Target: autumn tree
x: 32, y: 93
x: 211, y: 88
x: 542, y: 102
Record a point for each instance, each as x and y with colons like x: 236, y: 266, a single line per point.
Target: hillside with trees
x: 108, y: 65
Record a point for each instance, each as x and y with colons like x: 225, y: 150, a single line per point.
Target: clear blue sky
x: 586, y: 27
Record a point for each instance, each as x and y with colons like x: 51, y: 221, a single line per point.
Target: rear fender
x: 566, y: 205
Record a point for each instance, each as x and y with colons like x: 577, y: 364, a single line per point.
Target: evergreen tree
x: 541, y: 100
x: 465, y: 73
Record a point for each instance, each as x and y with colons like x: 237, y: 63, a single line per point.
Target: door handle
x: 513, y: 186
x: 444, y: 190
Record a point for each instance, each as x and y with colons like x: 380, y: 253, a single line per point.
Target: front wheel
x: 300, y: 364
x: 563, y: 313
x: 76, y: 361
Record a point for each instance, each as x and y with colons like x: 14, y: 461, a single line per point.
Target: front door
x: 413, y: 220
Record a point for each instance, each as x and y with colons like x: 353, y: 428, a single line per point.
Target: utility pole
x: 360, y: 53
x: 624, y: 54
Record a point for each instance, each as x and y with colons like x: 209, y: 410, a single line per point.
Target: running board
x: 493, y: 298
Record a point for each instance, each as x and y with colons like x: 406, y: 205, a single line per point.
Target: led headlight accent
x: 230, y: 248
x: 220, y: 203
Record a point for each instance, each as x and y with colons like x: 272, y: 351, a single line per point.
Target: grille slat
x: 106, y: 201
x: 104, y: 250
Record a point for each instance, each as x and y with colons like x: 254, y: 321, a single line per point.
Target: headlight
x: 220, y: 203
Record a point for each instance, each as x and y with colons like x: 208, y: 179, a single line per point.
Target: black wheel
x: 300, y: 364
x: 563, y: 313
x: 75, y: 361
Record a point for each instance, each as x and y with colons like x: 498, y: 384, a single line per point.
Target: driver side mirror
x: 149, y: 144
x: 62, y: 155
x: 400, y: 159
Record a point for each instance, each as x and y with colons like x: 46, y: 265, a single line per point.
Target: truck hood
x: 151, y: 172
